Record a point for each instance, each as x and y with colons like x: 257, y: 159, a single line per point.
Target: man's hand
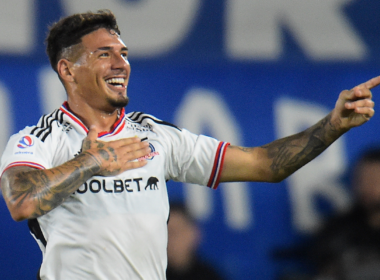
x: 115, y: 157
x: 354, y: 107
x: 30, y: 192
x: 277, y: 160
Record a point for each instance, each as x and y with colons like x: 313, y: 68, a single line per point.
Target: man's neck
x: 103, y: 121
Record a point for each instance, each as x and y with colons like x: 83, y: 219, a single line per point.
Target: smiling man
x: 98, y: 79
x: 90, y: 178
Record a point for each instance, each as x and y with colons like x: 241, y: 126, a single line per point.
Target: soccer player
x: 91, y: 179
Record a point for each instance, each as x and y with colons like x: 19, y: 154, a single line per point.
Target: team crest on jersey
x: 151, y: 155
x: 25, y: 145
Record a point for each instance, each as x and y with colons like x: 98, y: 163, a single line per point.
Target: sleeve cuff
x: 23, y: 163
x: 218, y: 165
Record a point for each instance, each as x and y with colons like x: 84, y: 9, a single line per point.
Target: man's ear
x: 64, y: 69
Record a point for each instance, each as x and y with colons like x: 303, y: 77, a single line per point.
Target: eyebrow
x: 110, y: 48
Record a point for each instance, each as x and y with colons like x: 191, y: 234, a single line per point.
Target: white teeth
x: 116, y: 81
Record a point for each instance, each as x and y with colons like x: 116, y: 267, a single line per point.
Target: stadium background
x: 245, y: 71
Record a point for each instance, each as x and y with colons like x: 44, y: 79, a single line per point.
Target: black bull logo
x: 152, y: 183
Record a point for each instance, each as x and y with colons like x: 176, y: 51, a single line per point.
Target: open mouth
x: 116, y: 82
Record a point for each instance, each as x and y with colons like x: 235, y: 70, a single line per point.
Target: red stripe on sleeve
x: 216, y: 184
x: 215, y: 164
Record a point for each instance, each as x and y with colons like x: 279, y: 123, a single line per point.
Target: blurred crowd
x: 184, y: 235
x: 346, y: 247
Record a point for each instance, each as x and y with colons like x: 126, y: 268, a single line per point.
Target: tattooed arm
x: 31, y: 193
x: 277, y: 160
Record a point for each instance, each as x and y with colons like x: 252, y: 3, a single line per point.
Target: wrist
x: 336, y: 124
x: 90, y: 161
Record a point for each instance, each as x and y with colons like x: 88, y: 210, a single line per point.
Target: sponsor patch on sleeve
x: 25, y: 145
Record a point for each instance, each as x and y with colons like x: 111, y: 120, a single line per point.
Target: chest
x: 136, y: 190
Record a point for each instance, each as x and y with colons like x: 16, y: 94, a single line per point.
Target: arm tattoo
x: 291, y: 153
x: 112, y: 151
x: 104, y: 154
x: 48, y: 188
x: 244, y: 149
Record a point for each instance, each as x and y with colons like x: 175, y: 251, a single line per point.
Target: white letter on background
x: 17, y: 31
x: 202, y: 108
x: 149, y: 27
x: 52, y: 92
x: 318, y: 177
x: 6, y: 118
x: 319, y: 26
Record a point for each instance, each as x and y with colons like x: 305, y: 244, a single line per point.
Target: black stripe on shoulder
x: 39, y: 125
x: 160, y: 122
x: 43, y: 129
x: 134, y: 115
x: 139, y: 117
x: 35, y: 229
x: 42, y: 123
x: 58, y: 117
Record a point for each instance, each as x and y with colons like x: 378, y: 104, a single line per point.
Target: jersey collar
x: 116, y: 128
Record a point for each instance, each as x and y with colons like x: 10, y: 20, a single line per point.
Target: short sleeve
x: 196, y: 159
x: 24, y: 149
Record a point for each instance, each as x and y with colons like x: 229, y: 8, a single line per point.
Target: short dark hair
x: 180, y: 207
x: 371, y: 154
x: 68, y: 31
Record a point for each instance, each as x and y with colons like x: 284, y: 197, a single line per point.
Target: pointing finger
x: 370, y: 84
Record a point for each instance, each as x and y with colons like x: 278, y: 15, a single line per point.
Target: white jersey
x: 112, y: 227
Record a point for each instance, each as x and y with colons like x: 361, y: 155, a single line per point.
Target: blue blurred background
x: 244, y: 71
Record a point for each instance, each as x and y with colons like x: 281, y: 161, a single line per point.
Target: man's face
x: 367, y: 185
x: 101, y: 73
x: 183, y: 238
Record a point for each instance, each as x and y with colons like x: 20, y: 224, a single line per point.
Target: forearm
x: 288, y: 154
x: 31, y: 193
x: 277, y: 160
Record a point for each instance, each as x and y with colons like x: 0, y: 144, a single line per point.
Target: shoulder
x: 46, y: 125
x: 39, y: 133
x: 148, y: 122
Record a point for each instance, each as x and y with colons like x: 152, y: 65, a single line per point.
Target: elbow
x: 21, y: 209
x: 274, y: 179
x: 17, y: 217
x: 20, y: 213
x: 279, y: 178
x: 270, y: 177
